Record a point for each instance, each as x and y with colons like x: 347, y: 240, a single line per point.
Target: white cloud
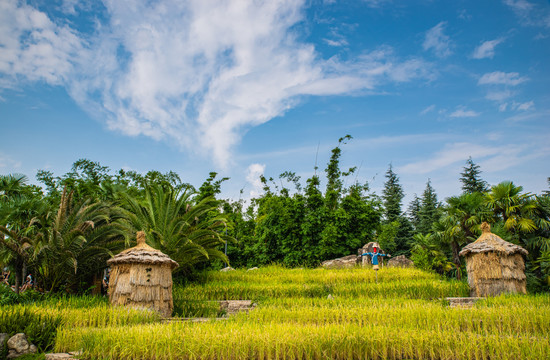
x: 501, y: 78
x: 437, y: 41
x: 34, y: 47
x: 486, y: 49
x: 499, y: 95
x: 69, y: 6
x: 336, y: 38
x: 428, y: 110
x: 8, y: 162
x: 336, y: 43
x: 453, y: 153
x: 462, y: 113
x: 195, y: 73
x: 253, y: 173
x: 526, y: 105
x: 530, y: 14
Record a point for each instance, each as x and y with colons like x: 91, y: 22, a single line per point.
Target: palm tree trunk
x: 18, y: 272
x: 456, y: 259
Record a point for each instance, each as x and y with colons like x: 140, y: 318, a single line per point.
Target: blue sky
x: 250, y: 87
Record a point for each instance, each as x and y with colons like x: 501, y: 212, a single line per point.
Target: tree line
x: 64, y: 231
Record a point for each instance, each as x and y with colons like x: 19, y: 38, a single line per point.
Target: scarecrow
x: 374, y: 256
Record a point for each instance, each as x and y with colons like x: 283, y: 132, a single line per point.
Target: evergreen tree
x: 414, y: 212
x: 428, y: 209
x: 392, y: 196
x: 396, y: 230
x: 470, y: 179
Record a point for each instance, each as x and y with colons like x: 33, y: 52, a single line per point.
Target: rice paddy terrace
x: 319, y: 314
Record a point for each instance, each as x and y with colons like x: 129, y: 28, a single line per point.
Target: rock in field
x: 400, y: 261
x: 18, y: 345
x: 344, y: 262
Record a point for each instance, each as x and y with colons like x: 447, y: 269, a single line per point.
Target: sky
x: 245, y: 88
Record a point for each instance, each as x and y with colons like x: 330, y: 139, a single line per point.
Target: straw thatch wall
x: 494, y: 266
x: 142, y: 277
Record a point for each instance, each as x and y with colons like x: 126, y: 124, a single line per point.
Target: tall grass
x: 402, y: 316
x: 276, y: 282
x: 275, y: 340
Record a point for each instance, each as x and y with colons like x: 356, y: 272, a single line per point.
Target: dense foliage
x: 64, y: 232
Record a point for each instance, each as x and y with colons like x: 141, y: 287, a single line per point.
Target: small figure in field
x: 5, y: 276
x: 105, y: 282
x: 374, y: 256
x: 28, y: 283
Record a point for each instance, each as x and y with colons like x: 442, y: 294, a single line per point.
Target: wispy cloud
x: 336, y: 38
x: 437, y: 41
x: 428, y: 109
x: 486, y: 49
x: 7, y: 161
x: 526, y: 105
x: 198, y: 74
x: 463, y: 113
x: 499, y: 95
x: 531, y: 14
x: 454, y: 153
x: 253, y: 173
x: 34, y: 47
x: 502, y: 78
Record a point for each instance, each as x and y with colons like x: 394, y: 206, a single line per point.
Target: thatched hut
x: 494, y: 266
x: 142, y: 277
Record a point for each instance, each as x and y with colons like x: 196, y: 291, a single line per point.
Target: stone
x: 19, y: 345
x: 463, y: 302
x: 252, y: 269
x: 231, y: 307
x: 59, y: 356
x: 400, y: 261
x: 225, y: 269
x: 330, y: 297
x: 344, y: 262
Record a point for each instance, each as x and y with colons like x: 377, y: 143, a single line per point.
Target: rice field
x: 319, y: 314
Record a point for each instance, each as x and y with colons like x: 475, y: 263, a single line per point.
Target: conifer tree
x: 414, y: 212
x: 428, y: 209
x: 396, y: 228
x: 392, y: 196
x: 470, y: 179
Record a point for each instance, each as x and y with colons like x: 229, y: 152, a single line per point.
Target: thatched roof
x: 142, y: 254
x: 489, y: 242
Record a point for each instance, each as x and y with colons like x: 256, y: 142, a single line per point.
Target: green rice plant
x: 40, y: 329
x: 272, y: 282
x: 229, y: 340
x: 196, y: 308
x: 402, y: 316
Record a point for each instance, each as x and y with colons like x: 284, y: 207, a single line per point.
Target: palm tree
x: 75, y: 241
x: 11, y: 186
x: 18, y: 209
x: 175, y: 225
x: 460, y: 221
x: 514, y: 208
x: 426, y: 254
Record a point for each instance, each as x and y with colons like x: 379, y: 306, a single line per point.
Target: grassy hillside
x: 400, y: 317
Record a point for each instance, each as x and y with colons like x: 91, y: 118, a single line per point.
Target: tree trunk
x: 456, y: 259
x: 18, y: 272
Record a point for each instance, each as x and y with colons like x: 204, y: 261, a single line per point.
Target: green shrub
x: 40, y: 329
x: 8, y: 296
